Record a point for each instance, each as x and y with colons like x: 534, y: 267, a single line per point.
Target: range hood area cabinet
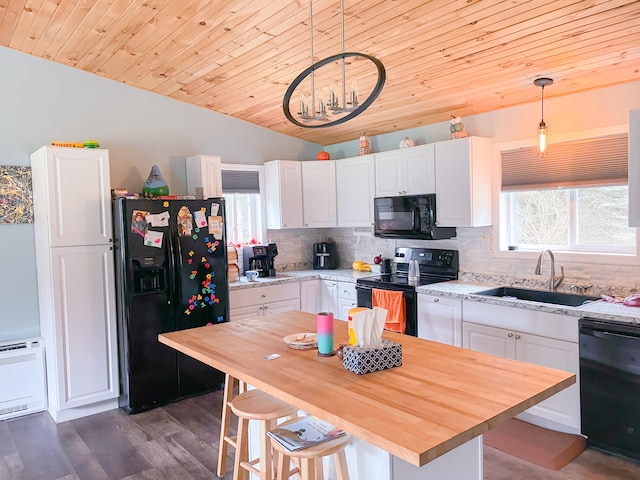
x: 634, y: 168
x: 464, y: 176
x: 407, y: 171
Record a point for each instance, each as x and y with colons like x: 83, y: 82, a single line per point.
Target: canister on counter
x: 351, y: 313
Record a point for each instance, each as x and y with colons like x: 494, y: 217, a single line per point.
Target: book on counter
x: 304, y: 432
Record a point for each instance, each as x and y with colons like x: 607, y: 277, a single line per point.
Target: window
x: 575, y: 199
x: 242, y: 187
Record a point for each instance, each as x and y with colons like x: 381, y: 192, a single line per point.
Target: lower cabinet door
x: 85, y: 325
x: 240, y: 313
x: 440, y: 319
x: 281, y: 306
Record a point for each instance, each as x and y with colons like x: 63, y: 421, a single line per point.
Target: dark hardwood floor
x: 180, y: 442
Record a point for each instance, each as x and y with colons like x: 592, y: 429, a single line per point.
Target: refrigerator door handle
x: 172, y: 271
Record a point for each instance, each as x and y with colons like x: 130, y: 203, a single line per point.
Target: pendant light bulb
x: 543, y: 131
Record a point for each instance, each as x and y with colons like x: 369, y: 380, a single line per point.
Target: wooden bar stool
x: 310, y: 458
x: 260, y: 406
x: 225, y: 422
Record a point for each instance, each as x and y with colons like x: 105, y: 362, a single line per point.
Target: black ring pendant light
x: 382, y: 76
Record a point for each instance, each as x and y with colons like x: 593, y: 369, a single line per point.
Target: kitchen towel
x: 393, y: 301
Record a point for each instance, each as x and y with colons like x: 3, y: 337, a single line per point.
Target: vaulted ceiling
x: 237, y: 57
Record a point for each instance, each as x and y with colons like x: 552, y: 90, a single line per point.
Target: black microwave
x: 410, y: 216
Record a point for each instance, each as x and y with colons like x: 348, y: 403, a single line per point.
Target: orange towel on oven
x: 393, y: 302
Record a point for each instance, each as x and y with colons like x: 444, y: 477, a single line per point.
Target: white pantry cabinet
x: 634, y: 168
x: 440, y: 319
x: 204, y: 171
x: 76, y: 291
x: 356, y: 188
x: 542, y: 338
x: 406, y: 171
x: 263, y: 301
x: 283, y: 192
x: 319, y: 193
x: 463, y: 172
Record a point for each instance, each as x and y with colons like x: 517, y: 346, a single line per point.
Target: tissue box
x: 366, y: 360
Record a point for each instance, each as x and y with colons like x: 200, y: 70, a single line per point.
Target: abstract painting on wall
x: 16, y: 202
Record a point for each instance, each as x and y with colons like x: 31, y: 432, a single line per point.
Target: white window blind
x: 240, y: 181
x: 589, y: 162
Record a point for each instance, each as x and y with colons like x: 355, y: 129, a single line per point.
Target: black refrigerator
x: 171, y: 274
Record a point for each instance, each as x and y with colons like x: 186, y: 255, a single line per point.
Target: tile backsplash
x: 477, y: 263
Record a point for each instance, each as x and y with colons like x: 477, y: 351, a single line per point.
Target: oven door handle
x: 363, y: 288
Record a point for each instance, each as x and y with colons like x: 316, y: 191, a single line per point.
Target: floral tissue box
x: 366, y: 360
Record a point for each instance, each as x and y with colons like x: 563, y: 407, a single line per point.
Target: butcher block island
x: 422, y: 420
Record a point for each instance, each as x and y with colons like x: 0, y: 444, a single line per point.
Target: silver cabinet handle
x: 436, y: 300
x: 510, y: 335
x: 517, y: 337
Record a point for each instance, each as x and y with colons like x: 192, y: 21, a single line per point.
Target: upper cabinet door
x: 419, y: 169
x: 283, y: 185
x: 319, y: 193
x: 634, y: 168
x: 355, y: 184
x: 464, y: 177
x: 71, y: 188
x: 204, y: 171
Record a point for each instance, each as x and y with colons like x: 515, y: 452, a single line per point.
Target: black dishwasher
x: 610, y: 386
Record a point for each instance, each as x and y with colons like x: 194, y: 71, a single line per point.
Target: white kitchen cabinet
x: 356, y: 187
x: 263, y: 301
x: 338, y: 298
x: 283, y: 193
x: 463, y: 172
x: 204, y: 171
x: 542, y: 338
x: 311, y: 295
x: 75, y: 271
x: 634, y: 168
x: 319, y: 193
x: 440, y: 319
x: 407, y: 171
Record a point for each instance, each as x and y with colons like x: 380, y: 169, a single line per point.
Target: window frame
x: 499, y: 214
x: 263, y: 206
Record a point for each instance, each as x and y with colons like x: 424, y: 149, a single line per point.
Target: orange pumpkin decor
x: 322, y: 155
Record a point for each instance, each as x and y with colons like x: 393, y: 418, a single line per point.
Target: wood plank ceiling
x: 237, y: 57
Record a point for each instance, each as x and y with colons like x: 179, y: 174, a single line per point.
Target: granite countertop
x: 457, y: 289
x: 597, y: 309
x: 345, y: 275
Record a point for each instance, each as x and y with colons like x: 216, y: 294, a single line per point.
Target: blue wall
x: 42, y: 101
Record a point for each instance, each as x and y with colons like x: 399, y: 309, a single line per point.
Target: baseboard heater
x: 22, y: 376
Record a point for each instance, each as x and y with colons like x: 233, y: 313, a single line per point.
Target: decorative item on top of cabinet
x: 204, y: 171
x: 365, y: 148
x: 323, y: 155
x: 155, y: 185
x: 456, y: 128
x: 407, y: 142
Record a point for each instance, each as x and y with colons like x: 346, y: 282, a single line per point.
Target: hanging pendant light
x: 542, y: 128
x: 334, y: 106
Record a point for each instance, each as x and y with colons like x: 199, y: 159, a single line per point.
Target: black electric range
x: 435, y: 265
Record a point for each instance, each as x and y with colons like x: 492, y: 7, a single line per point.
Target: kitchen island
x: 435, y: 406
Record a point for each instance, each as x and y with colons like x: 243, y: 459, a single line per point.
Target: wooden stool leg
x: 308, y: 469
x: 340, y: 460
x: 225, y: 422
x: 283, y: 466
x: 266, y: 468
x: 319, y: 468
x: 242, y: 450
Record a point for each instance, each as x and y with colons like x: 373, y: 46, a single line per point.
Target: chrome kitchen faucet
x: 554, y: 282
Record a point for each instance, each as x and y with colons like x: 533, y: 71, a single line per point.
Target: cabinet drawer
x: 347, y: 291
x: 259, y: 295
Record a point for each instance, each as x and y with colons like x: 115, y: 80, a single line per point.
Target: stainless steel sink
x: 542, y: 296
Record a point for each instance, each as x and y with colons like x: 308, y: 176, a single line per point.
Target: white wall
x: 42, y: 101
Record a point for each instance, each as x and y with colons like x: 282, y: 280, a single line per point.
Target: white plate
x: 301, y: 339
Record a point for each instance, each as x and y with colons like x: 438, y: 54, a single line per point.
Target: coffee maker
x: 325, y: 255
x: 263, y: 259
